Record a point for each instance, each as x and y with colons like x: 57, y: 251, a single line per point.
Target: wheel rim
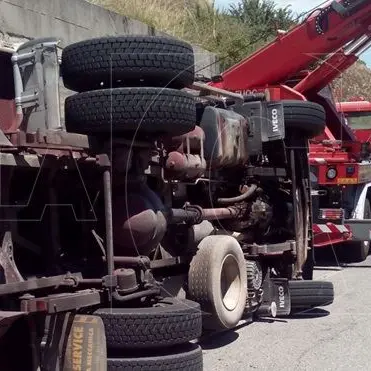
x: 254, y: 275
x: 230, y: 282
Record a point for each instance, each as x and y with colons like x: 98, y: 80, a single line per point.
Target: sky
x: 296, y: 6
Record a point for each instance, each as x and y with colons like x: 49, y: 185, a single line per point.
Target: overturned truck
x: 159, y: 206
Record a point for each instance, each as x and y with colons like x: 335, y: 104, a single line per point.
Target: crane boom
x: 327, y: 30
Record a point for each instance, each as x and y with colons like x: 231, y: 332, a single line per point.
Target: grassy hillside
x: 232, y: 34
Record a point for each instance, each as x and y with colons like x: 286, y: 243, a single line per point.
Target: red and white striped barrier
x: 329, y: 233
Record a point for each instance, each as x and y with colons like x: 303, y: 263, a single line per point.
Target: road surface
x: 336, y: 337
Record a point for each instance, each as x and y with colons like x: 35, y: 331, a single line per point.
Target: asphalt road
x: 336, y: 337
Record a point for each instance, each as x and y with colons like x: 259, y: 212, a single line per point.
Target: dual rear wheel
x: 129, y: 86
x: 154, y: 338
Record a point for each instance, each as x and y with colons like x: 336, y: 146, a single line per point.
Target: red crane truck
x: 299, y: 65
x: 356, y: 115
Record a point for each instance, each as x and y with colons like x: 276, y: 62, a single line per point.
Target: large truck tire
x: 187, y: 358
x: 170, y: 322
x: 308, y: 118
x: 310, y: 294
x: 217, y: 279
x: 127, y: 61
x: 140, y: 110
x: 356, y: 251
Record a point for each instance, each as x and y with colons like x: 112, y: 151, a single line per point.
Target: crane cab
x: 358, y: 117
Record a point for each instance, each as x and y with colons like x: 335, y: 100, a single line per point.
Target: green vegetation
x: 232, y: 33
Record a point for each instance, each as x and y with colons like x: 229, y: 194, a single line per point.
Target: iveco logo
x: 275, y: 120
x: 281, y: 295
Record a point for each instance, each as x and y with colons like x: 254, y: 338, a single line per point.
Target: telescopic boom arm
x: 341, y: 28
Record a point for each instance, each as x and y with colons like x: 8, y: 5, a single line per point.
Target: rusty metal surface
x: 7, y: 263
x: 44, y: 158
x: 170, y: 262
x: 271, y: 249
x: 191, y: 141
x: 185, y: 166
x: 222, y: 213
x: 126, y: 280
x: 40, y: 283
x: 53, y: 142
x: 61, y: 302
x: 62, y: 138
x: 226, y: 137
x: 194, y: 214
x: 185, y: 159
x: 132, y: 261
x: 206, y: 89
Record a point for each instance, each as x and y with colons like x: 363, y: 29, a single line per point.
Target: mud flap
x: 274, y: 126
x: 276, y: 298
x: 281, y: 295
x: 86, y: 345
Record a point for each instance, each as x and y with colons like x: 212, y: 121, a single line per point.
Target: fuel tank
x: 226, y: 135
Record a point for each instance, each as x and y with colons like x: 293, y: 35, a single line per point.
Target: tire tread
x: 148, y: 328
x: 159, y: 61
x: 311, y: 294
x: 190, y: 359
x: 306, y: 117
x: 145, y: 110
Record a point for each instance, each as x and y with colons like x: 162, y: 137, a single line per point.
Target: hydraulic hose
x: 228, y: 201
x: 136, y: 295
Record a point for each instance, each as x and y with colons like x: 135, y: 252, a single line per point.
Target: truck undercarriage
x: 141, y: 195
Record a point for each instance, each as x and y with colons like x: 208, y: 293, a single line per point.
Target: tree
x: 263, y: 16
